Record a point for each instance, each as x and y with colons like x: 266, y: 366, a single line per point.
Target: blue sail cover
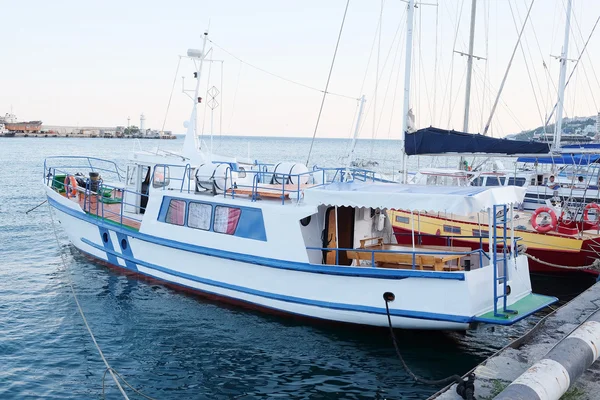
x: 559, y: 159
x: 440, y: 141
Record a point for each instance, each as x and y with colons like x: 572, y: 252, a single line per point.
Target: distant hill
x: 585, y: 126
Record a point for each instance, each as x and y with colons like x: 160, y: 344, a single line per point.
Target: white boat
x: 315, y: 244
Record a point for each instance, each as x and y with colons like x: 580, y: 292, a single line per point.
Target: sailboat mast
x: 561, y: 83
x: 469, y: 67
x: 407, y: 69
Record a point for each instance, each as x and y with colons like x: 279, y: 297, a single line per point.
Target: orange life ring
x: 71, y: 186
x: 544, y: 228
x: 586, y: 211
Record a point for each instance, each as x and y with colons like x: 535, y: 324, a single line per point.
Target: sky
x: 96, y: 63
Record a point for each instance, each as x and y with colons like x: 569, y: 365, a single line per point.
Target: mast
x: 356, y: 129
x: 469, y: 74
x: 469, y: 67
x: 408, y: 60
x: 561, y: 83
x: 191, y: 145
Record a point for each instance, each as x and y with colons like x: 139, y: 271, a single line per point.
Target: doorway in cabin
x: 343, y: 238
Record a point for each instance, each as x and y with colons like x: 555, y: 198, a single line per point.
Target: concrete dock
x: 497, y: 372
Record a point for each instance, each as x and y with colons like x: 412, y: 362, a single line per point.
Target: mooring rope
x: 594, y: 265
x: 39, y: 205
x: 465, y: 389
x: 109, y: 369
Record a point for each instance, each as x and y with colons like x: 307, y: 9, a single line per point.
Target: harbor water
x: 175, y: 345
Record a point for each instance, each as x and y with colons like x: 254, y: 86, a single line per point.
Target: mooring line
x: 39, y: 205
x: 109, y: 369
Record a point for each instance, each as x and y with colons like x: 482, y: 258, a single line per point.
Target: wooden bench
x: 405, y: 260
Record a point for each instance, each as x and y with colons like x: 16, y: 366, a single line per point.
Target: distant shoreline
x: 69, y: 136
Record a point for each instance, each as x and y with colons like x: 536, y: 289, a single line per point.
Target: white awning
x: 454, y: 199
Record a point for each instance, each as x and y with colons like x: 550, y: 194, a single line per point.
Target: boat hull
x: 421, y: 303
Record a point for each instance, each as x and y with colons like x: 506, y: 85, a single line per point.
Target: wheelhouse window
x: 402, y: 220
x: 492, y: 181
x: 199, y: 215
x: 480, y: 233
x: 161, y: 176
x: 226, y: 219
x: 452, y: 229
x: 175, y: 212
x: 516, y: 181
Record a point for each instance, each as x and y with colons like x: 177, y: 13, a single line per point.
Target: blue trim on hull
x: 278, y: 297
x: 108, y: 246
x: 126, y: 249
x: 376, y: 273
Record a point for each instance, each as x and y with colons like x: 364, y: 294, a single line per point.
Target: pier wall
x: 500, y: 370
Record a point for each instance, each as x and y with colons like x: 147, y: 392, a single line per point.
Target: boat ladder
x: 500, y: 220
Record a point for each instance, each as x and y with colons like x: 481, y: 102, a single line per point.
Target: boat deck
x: 110, y: 209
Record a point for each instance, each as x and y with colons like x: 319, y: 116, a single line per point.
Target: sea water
x: 173, y: 345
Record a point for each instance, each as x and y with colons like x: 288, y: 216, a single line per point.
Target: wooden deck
x: 107, y: 211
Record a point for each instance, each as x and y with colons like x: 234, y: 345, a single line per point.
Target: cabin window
x: 175, y: 212
x: 492, y: 181
x: 502, y: 180
x: 226, y: 219
x: 161, y: 176
x: 199, y: 215
x: 402, y: 220
x: 452, y: 229
x: 516, y: 181
x: 480, y: 233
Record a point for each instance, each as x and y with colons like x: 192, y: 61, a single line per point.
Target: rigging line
x: 387, y: 58
x: 526, y: 65
x: 435, y: 61
x: 486, y: 15
x: 385, y: 96
x: 546, y: 105
x: 588, y: 55
x: 502, y: 103
x: 312, y: 142
x: 171, y: 95
x: 205, y: 99
x: 237, y: 85
x: 576, y: 64
x: 376, y: 79
x: 279, y: 76
x: 70, y: 282
x: 451, y: 70
x: 362, y: 85
x: 395, y: 90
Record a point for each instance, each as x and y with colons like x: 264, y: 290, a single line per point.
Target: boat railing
x: 98, y: 204
x: 94, y: 164
x: 372, y: 255
x: 451, y: 238
x: 289, y: 186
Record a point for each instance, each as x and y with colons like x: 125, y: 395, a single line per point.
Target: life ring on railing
x: 544, y: 228
x: 586, y: 212
x: 70, y: 186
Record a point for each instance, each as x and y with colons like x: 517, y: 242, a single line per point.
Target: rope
x: 595, y: 265
x: 281, y: 77
x: 328, y: 79
x: 171, y: 95
x: 31, y: 209
x: 109, y: 369
x: 127, y: 383
x: 465, y: 390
